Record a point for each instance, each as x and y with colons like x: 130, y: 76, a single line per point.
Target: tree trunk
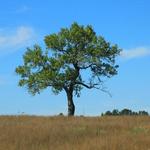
x: 71, y: 106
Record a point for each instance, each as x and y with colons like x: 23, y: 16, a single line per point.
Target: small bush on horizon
x: 125, y: 111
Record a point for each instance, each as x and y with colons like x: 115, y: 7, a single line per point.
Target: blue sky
x: 126, y: 23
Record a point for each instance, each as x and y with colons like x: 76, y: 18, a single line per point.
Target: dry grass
x: 74, y: 133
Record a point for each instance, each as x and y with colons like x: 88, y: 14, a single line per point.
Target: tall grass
x: 74, y: 133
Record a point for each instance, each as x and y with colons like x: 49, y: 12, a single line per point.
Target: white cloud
x: 12, y: 40
x: 135, y: 52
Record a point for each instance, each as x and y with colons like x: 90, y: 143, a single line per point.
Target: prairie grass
x: 74, y: 133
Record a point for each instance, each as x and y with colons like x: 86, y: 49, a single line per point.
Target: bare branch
x: 106, y: 91
x: 96, y: 86
x: 88, y: 86
x: 85, y: 67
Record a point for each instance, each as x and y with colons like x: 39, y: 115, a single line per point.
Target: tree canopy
x: 68, y: 54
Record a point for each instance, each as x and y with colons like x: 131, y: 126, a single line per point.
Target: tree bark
x: 71, y: 106
x: 69, y: 91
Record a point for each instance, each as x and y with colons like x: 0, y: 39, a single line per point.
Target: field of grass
x: 74, y: 133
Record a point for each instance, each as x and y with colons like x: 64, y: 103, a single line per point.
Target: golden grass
x: 74, y: 133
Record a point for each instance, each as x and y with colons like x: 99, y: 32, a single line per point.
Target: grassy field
x: 74, y: 133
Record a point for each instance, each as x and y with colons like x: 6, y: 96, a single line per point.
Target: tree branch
x: 88, y: 86
x: 90, y: 65
x: 85, y: 67
x: 102, y: 88
x: 65, y: 88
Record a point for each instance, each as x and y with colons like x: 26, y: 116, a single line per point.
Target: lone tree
x: 69, y: 54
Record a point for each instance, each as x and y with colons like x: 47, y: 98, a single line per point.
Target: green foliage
x: 125, y: 111
x: 67, y: 54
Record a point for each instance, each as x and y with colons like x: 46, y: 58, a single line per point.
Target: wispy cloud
x: 135, y: 52
x: 11, y: 40
x: 22, y: 9
x: 3, y: 80
x: 7, y: 79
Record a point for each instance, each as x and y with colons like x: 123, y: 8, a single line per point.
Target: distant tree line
x: 125, y: 111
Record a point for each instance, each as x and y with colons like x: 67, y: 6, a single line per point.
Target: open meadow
x: 74, y: 133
